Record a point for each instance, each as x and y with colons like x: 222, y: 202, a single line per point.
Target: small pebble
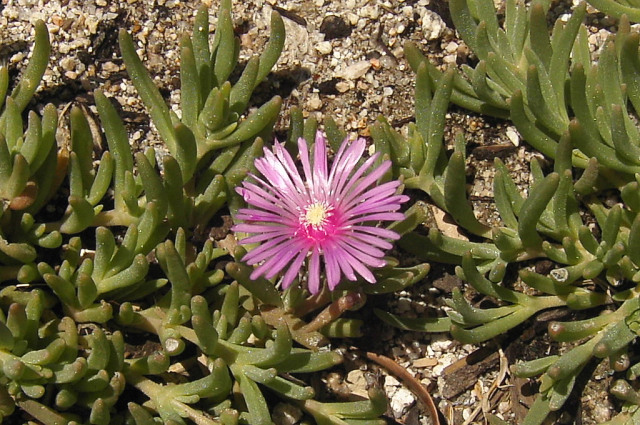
x: 425, y: 362
x: 353, y: 19
x: 342, y: 86
x: 68, y: 64
x: 354, y: 71
x: 602, y: 412
x: 466, y: 413
x: 451, y: 47
x: 371, y: 12
x: 17, y: 57
x: 432, y: 25
x: 324, y: 47
x: 314, y: 102
x: 401, y: 401
x: 441, y: 346
x: 110, y: 67
x: 513, y: 136
x: 390, y: 381
x: 357, y: 383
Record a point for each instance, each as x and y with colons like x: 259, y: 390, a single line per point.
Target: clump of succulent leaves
x: 123, y: 261
x: 583, y: 214
x: 617, y: 8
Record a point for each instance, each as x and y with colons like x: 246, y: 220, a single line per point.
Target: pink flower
x: 326, y: 216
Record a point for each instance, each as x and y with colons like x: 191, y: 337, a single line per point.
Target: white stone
x: 466, y: 413
x: 513, y: 136
x: 357, y: 383
x: 438, y: 369
x: 403, y: 305
x: 356, y: 376
x: 355, y: 70
x: 390, y: 381
x: 110, y: 67
x: 451, y: 47
x: 17, y: 57
x: 342, y: 86
x: 324, y: 47
x: 432, y: 25
x: 440, y: 346
x: 401, y: 401
x: 314, y: 102
x: 68, y: 64
x: 371, y: 12
x: 602, y: 412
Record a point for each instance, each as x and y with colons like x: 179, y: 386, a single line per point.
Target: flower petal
x: 369, y: 260
x: 277, y: 263
x: 377, y: 231
x: 267, y: 250
x: 338, y: 254
x: 384, y: 193
x: 320, y: 161
x: 356, y: 187
x: 303, y: 151
x: 388, y: 216
x: 360, y: 268
x: 285, y: 159
x: 347, y: 178
x: 258, y: 228
x: 252, y: 193
x: 314, y: 272
x: 260, y: 237
x: 331, y: 268
x: 372, y: 240
x: 294, y: 268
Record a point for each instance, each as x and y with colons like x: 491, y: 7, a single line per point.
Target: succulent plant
x: 30, y: 168
x: 581, y: 113
x: 124, y: 261
x: 617, y: 8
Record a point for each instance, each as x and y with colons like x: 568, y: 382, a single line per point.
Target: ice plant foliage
x: 320, y: 216
x: 51, y: 372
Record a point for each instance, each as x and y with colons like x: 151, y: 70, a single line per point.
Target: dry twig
x: 411, y: 383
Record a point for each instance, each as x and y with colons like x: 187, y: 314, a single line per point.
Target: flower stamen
x: 316, y: 215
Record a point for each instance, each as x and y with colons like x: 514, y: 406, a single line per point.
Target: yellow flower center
x: 316, y: 214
